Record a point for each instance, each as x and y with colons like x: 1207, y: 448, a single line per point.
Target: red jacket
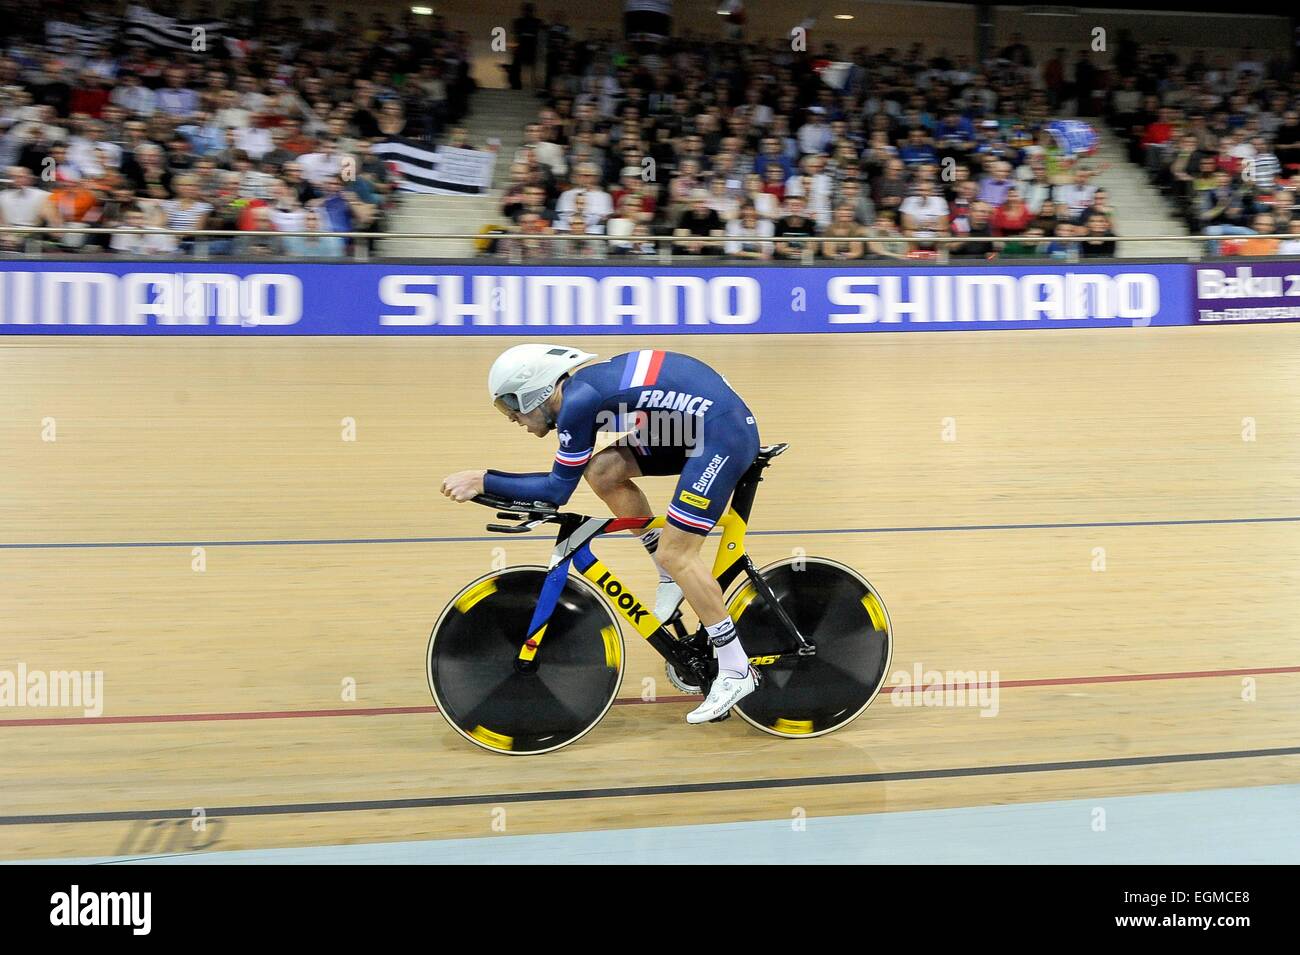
x: 1158, y: 133
x: 1007, y: 223
x: 89, y: 101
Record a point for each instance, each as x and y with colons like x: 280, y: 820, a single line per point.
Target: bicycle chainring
x: 680, y: 682
x: 699, y: 680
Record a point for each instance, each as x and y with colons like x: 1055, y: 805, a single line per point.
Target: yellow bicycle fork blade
x: 608, y: 636
x: 529, y: 649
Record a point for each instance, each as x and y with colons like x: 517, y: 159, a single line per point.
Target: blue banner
x: 1074, y: 136
x: 221, y: 298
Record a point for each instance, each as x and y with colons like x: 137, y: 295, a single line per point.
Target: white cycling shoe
x: 668, y: 597
x: 726, y: 692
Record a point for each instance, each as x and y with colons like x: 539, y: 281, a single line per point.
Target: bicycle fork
x: 684, y: 654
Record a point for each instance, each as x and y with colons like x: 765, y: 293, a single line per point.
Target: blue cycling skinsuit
x: 683, y: 418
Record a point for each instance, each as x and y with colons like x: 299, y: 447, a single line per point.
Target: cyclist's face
x: 535, y: 422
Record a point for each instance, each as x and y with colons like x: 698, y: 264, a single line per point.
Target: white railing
x: 202, y: 242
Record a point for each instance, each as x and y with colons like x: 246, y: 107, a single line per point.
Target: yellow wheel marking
x: 876, y: 612
x: 476, y: 593
x: 489, y: 738
x: 612, y: 655
x: 741, y: 601
x: 794, y: 727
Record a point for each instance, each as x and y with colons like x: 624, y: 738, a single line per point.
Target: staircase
x: 502, y: 114
x: 463, y: 215
x: 1139, y: 207
x: 495, y: 114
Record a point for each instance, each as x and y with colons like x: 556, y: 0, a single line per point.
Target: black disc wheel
x: 842, y: 616
x: 493, y: 702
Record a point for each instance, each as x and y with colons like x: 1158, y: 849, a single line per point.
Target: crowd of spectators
x: 730, y: 147
x: 100, y: 129
x: 1220, y: 137
x: 735, y: 148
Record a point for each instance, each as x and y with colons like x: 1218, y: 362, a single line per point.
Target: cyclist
x: 679, y: 416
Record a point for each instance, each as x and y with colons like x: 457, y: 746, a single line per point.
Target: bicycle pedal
x: 719, y: 719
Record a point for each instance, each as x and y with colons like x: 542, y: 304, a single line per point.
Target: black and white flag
x: 444, y: 171
x: 76, y: 38
x: 162, y: 32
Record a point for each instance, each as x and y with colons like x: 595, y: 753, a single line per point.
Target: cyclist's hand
x: 463, y: 485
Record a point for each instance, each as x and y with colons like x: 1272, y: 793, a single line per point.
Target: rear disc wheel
x: 844, y: 618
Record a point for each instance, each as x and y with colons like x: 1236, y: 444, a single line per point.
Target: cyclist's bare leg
x: 679, y: 552
x: 610, y: 475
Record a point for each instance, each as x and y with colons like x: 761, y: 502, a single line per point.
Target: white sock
x: 650, y: 541
x: 726, y: 644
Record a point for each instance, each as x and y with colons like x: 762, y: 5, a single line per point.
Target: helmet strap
x: 547, y: 415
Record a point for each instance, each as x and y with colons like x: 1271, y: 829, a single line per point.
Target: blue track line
x: 543, y: 538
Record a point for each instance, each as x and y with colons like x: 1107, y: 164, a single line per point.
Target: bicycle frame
x: 573, y: 548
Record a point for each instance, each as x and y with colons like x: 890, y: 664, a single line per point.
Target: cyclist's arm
x: 577, y: 420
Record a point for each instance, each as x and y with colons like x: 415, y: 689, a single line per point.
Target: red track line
x: 627, y: 701
x: 1142, y: 677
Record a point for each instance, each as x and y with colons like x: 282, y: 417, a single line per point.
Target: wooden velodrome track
x: 327, y: 561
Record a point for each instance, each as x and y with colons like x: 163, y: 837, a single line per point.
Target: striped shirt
x: 184, y: 216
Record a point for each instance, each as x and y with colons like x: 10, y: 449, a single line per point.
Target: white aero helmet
x: 524, y: 376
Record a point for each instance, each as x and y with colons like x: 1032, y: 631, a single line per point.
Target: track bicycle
x: 528, y: 659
